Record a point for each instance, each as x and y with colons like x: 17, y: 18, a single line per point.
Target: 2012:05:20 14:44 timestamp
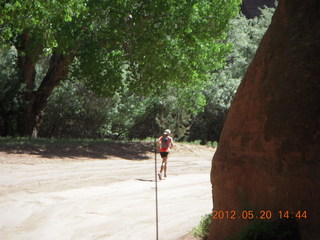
x: 263, y: 214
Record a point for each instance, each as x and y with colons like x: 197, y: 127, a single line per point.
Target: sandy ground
x: 106, y: 197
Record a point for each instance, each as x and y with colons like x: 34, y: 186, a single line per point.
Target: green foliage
x: 43, y: 20
x: 180, y: 42
x: 10, y: 92
x: 202, y: 230
x: 245, y: 35
x: 173, y: 109
x: 271, y: 230
x: 150, y: 41
x: 145, y: 47
x: 7, y: 71
x: 74, y: 111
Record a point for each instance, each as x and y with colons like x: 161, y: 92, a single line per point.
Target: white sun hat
x: 167, y: 132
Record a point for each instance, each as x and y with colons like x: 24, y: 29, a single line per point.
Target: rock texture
x: 250, y: 8
x: 268, y: 155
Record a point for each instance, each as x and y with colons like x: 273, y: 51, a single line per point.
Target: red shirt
x: 165, y: 145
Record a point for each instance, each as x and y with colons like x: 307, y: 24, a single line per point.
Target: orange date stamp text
x: 263, y: 214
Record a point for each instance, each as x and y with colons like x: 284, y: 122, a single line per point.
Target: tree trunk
x: 27, y: 58
x: 268, y: 154
x: 34, y: 101
x: 58, y: 69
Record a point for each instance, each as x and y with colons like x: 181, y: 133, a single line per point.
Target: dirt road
x: 107, y: 197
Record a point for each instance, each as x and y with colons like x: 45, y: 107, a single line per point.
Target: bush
x: 74, y: 112
x: 202, y: 230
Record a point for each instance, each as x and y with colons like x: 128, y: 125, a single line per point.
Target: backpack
x: 165, y: 142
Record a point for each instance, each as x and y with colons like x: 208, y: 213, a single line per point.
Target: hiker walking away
x: 165, y: 144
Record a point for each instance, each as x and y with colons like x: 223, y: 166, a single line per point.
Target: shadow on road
x: 145, y: 180
x: 135, y: 151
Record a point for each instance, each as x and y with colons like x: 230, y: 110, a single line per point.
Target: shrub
x: 202, y: 230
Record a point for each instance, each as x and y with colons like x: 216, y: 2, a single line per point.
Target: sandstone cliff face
x: 269, y: 152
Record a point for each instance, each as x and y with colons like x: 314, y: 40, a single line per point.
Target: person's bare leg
x: 165, y: 168
x: 163, y: 165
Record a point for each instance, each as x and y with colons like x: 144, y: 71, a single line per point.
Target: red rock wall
x: 269, y: 152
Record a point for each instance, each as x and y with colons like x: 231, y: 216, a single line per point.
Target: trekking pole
x: 156, y: 185
x: 155, y: 172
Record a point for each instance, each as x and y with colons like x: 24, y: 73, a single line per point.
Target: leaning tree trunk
x: 268, y: 155
x: 34, y: 101
x: 58, y: 69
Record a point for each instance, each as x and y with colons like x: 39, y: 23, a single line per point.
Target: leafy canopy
x: 144, y: 45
